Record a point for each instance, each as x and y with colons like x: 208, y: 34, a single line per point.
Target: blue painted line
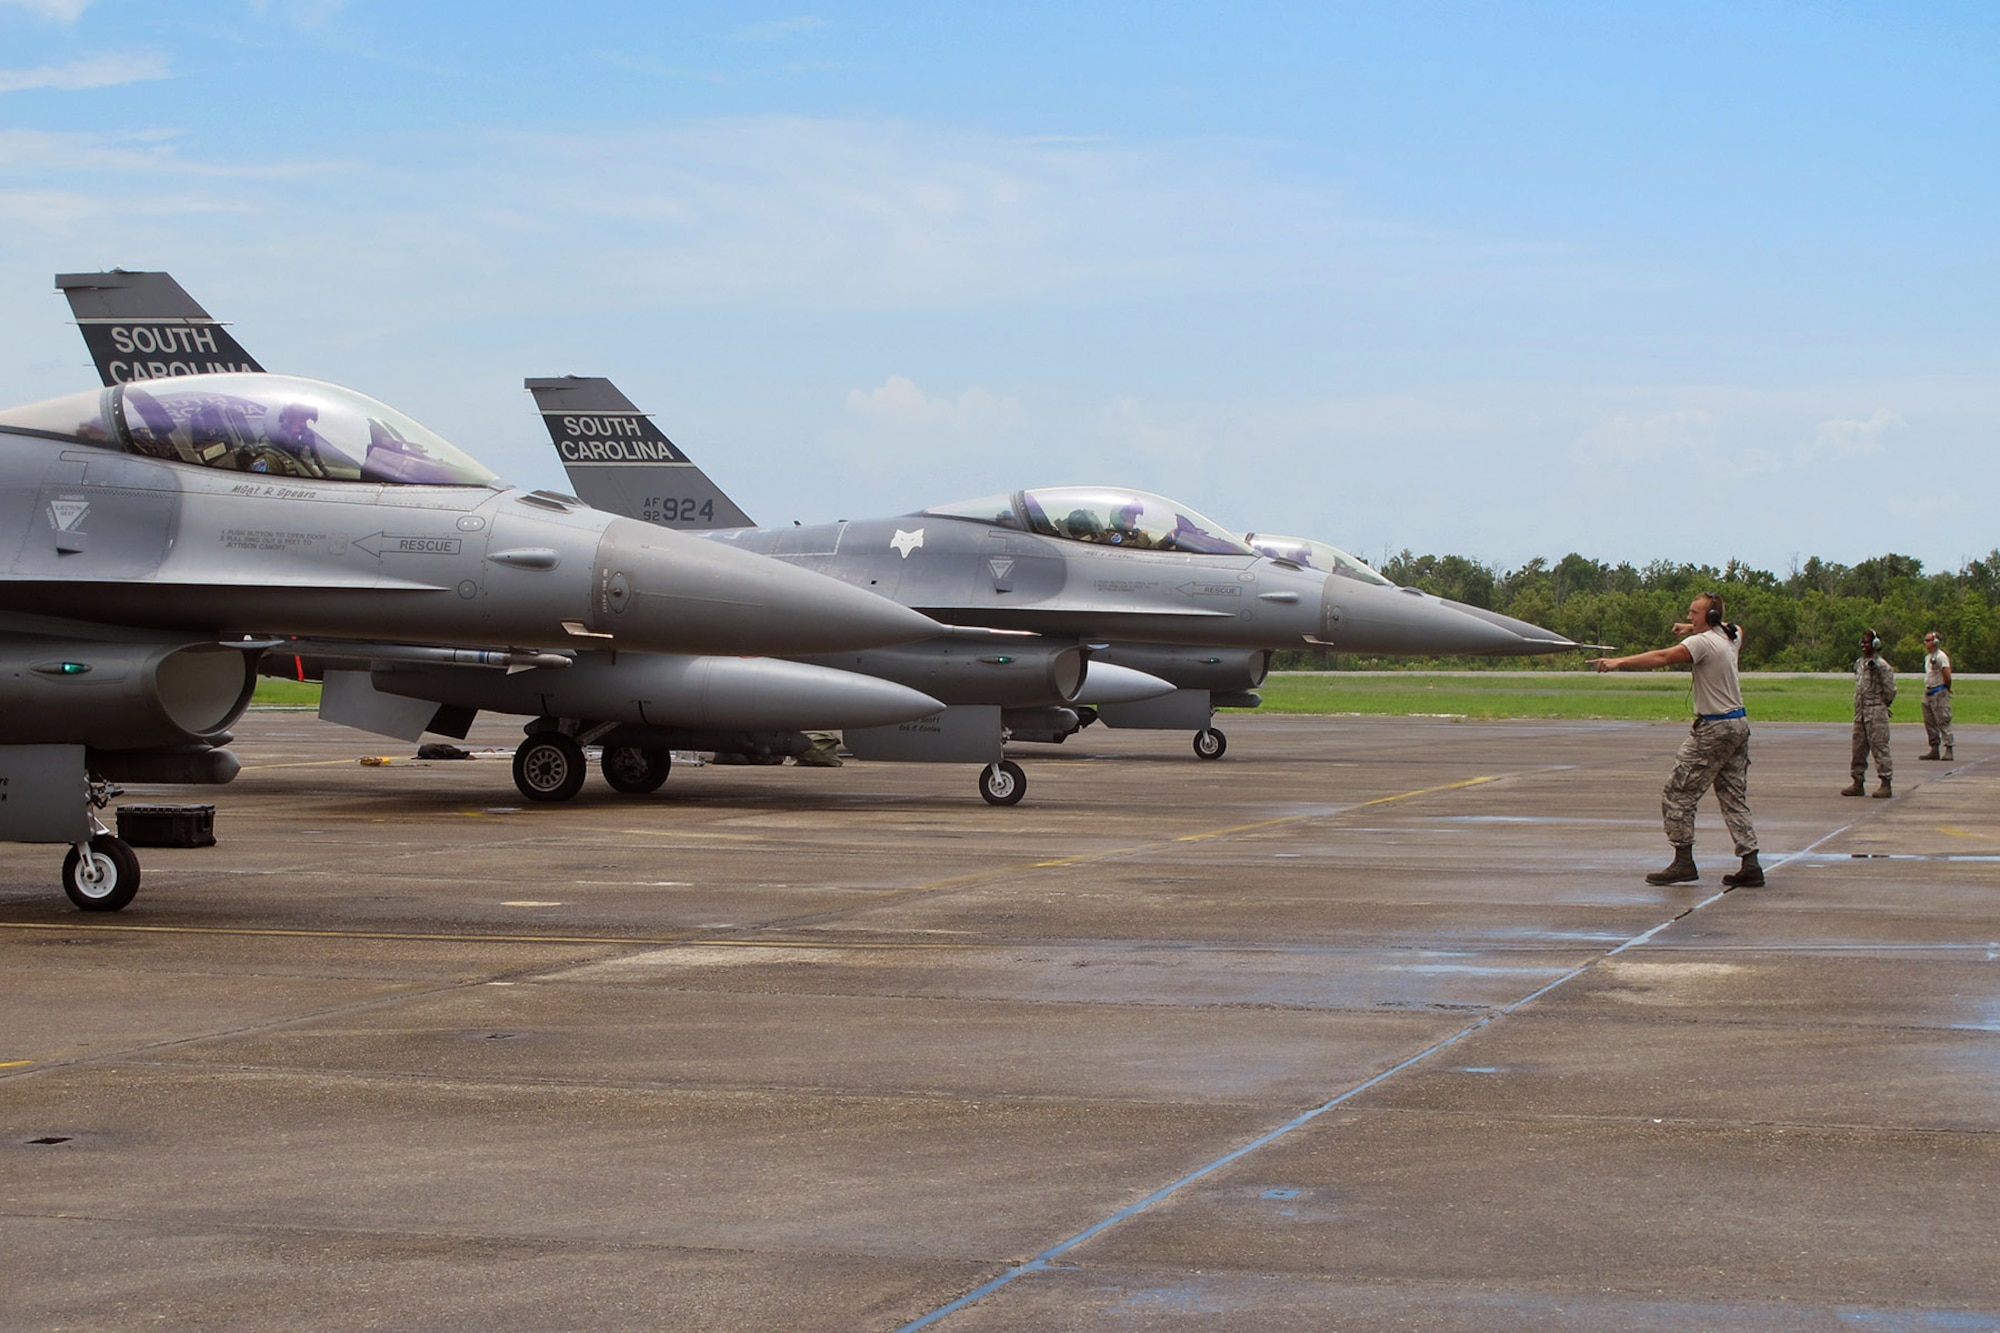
x: 1043, y: 1260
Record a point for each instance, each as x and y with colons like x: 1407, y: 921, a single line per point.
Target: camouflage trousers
x: 1871, y: 741
x: 1715, y: 754
x: 1937, y: 719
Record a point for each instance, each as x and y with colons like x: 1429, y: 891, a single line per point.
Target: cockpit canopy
x: 1103, y: 515
x: 272, y: 425
x: 1314, y: 555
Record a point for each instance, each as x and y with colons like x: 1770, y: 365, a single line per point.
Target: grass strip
x: 1659, y: 696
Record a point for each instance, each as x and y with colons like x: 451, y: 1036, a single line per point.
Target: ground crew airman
x: 1874, y: 691
x: 1716, y: 752
x: 1937, y: 698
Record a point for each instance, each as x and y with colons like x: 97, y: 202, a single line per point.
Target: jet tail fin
x: 620, y: 462
x: 145, y: 326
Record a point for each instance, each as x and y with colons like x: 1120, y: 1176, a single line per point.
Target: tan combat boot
x: 1882, y: 793
x: 1854, y: 788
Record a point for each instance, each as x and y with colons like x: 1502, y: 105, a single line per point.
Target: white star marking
x: 907, y: 542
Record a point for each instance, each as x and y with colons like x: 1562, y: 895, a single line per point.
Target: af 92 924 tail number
x: 682, y: 509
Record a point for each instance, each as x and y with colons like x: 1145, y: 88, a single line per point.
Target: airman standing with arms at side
x: 1937, y: 698
x: 1874, y: 691
x: 1716, y: 752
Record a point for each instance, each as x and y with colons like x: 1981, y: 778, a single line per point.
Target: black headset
x: 1714, y: 613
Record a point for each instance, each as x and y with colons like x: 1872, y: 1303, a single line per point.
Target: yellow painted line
x: 418, y: 936
x: 1959, y: 832
x: 1424, y: 791
x: 307, y: 763
x: 14, y: 1064
x: 1087, y: 858
x: 1361, y: 805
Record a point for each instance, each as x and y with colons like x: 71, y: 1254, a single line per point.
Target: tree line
x: 1807, y: 620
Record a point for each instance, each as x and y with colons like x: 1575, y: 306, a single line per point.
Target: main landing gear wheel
x: 1003, y: 783
x: 634, y: 771
x: 107, y: 880
x: 1209, y: 743
x: 549, y: 766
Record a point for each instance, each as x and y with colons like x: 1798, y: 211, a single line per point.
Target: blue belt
x: 1935, y: 689
x: 1721, y: 717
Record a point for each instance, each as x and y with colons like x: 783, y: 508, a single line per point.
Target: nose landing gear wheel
x: 1003, y: 783
x: 634, y: 771
x: 1209, y: 743
x: 107, y: 880
x: 548, y: 766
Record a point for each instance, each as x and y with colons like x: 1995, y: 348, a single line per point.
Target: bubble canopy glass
x: 269, y: 425
x: 1102, y: 515
x: 1315, y: 555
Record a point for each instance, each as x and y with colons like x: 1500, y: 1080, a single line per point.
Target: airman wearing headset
x: 1874, y: 691
x: 1716, y: 752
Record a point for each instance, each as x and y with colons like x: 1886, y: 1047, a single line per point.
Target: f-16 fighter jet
x: 1162, y: 590
x: 160, y: 535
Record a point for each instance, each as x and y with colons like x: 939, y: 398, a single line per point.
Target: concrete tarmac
x: 1371, y: 1024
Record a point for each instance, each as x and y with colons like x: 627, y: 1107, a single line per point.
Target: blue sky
x: 1677, y: 281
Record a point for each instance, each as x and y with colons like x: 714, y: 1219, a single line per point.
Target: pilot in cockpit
x: 1125, y: 529
x: 293, y: 433
x: 1084, y: 526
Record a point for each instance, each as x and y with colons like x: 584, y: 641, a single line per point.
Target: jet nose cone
x: 664, y: 591
x: 1367, y: 618
x: 1528, y: 639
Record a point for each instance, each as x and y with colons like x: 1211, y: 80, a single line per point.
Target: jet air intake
x: 115, y: 696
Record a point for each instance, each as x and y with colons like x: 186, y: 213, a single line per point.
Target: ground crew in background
x: 1716, y: 752
x: 1937, y: 698
x: 1874, y: 691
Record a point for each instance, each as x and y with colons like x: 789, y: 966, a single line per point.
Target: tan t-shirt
x: 1935, y: 665
x: 1716, y: 689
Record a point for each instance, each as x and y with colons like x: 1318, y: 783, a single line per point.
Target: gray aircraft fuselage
x: 966, y: 572
x: 94, y: 532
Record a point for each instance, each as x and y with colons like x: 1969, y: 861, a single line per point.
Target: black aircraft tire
x: 1210, y: 743
x: 634, y: 771
x: 549, y: 766
x: 1003, y: 783
x: 117, y: 880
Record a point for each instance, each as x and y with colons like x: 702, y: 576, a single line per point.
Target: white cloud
x: 108, y: 71
x: 1853, y: 438
x: 898, y: 403
x: 1685, y: 433
x: 62, y: 11
x: 777, y: 30
x: 44, y: 153
x: 59, y: 212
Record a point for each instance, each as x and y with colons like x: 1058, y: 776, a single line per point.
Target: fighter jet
x: 1163, y: 590
x: 161, y: 535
